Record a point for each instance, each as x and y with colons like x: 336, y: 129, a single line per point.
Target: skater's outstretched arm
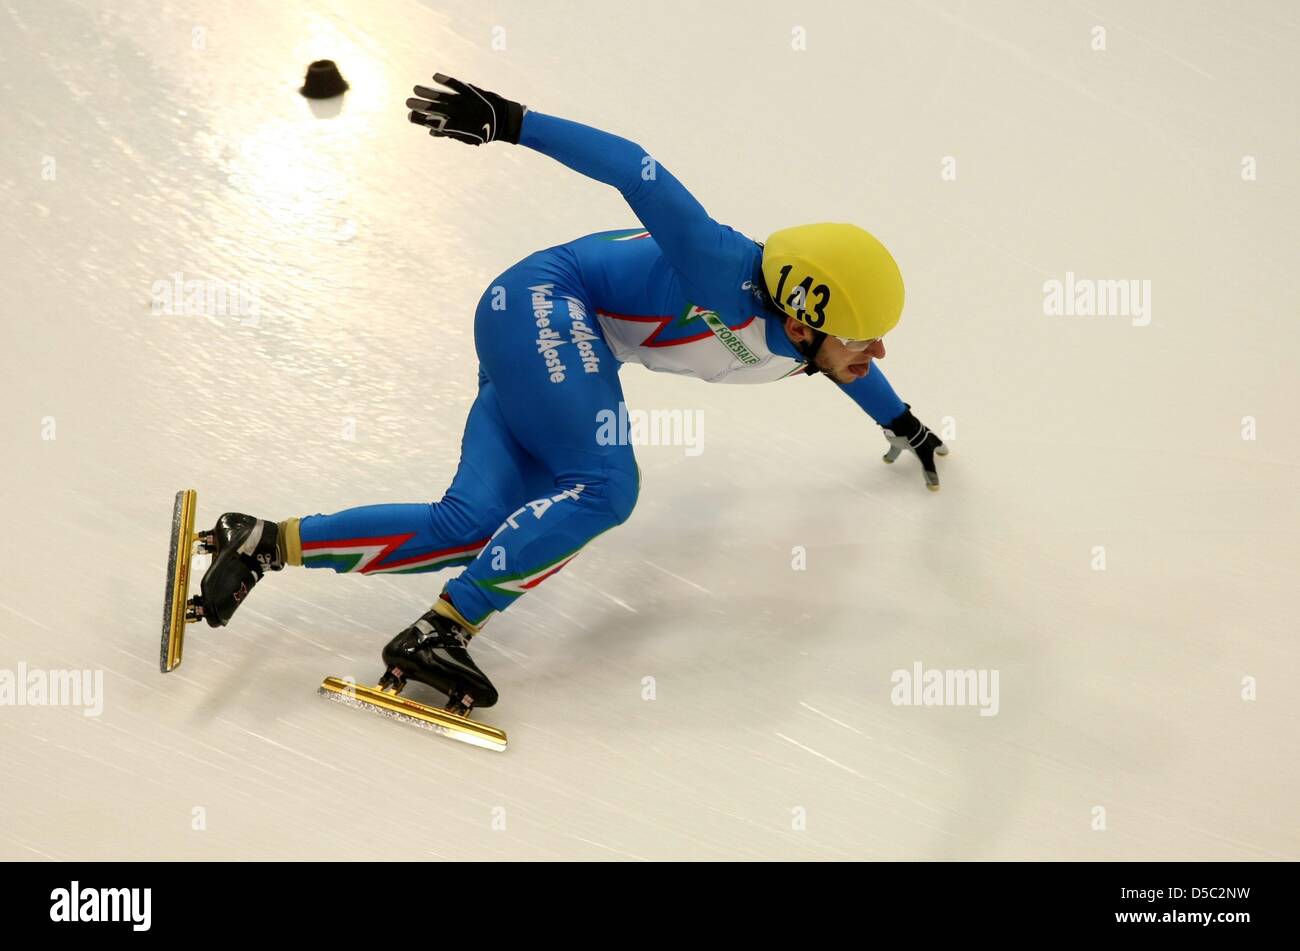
x: 699, y: 248
x: 875, y: 395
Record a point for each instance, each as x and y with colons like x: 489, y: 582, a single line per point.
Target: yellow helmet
x: 835, y: 278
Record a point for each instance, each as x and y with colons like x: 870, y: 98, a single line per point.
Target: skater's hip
x: 540, y: 310
x: 553, y: 271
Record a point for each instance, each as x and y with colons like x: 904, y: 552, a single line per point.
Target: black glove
x: 467, y: 114
x: 907, y: 432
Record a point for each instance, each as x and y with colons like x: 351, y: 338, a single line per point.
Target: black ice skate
x: 434, y: 651
x: 243, y: 549
x: 431, y: 651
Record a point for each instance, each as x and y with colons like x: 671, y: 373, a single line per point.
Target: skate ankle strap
x: 289, y: 542
x: 445, y: 608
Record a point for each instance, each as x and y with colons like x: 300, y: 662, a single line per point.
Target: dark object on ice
x: 324, y: 81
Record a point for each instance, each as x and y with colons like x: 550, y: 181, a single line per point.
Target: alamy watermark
x: 1085, y: 297
x: 656, y: 427
x: 945, y: 687
x: 77, y: 903
x: 33, y: 687
x: 206, y: 297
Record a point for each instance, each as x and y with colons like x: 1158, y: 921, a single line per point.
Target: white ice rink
x: 140, y: 140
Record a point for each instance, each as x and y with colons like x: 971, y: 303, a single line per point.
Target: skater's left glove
x: 907, y: 432
x: 467, y: 114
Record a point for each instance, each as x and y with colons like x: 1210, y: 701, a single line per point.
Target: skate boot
x: 243, y: 549
x: 433, y: 651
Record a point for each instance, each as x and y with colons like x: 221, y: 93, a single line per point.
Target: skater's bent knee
x: 622, y: 486
x: 611, y: 492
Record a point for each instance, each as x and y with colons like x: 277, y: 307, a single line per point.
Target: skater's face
x: 833, y: 358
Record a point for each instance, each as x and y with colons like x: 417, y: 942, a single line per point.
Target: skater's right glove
x: 467, y: 114
x: 907, y: 432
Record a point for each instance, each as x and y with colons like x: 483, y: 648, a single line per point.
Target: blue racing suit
x: 536, y: 482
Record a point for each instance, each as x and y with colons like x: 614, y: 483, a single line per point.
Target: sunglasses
x: 856, y: 345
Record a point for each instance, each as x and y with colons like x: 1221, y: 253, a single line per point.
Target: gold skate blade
x: 448, y: 724
x: 178, y: 580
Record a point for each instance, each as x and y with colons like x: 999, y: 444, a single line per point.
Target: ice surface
x: 177, y: 143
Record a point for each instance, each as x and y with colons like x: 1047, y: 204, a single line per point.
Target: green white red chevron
x: 517, y: 584
x: 374, y: 555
